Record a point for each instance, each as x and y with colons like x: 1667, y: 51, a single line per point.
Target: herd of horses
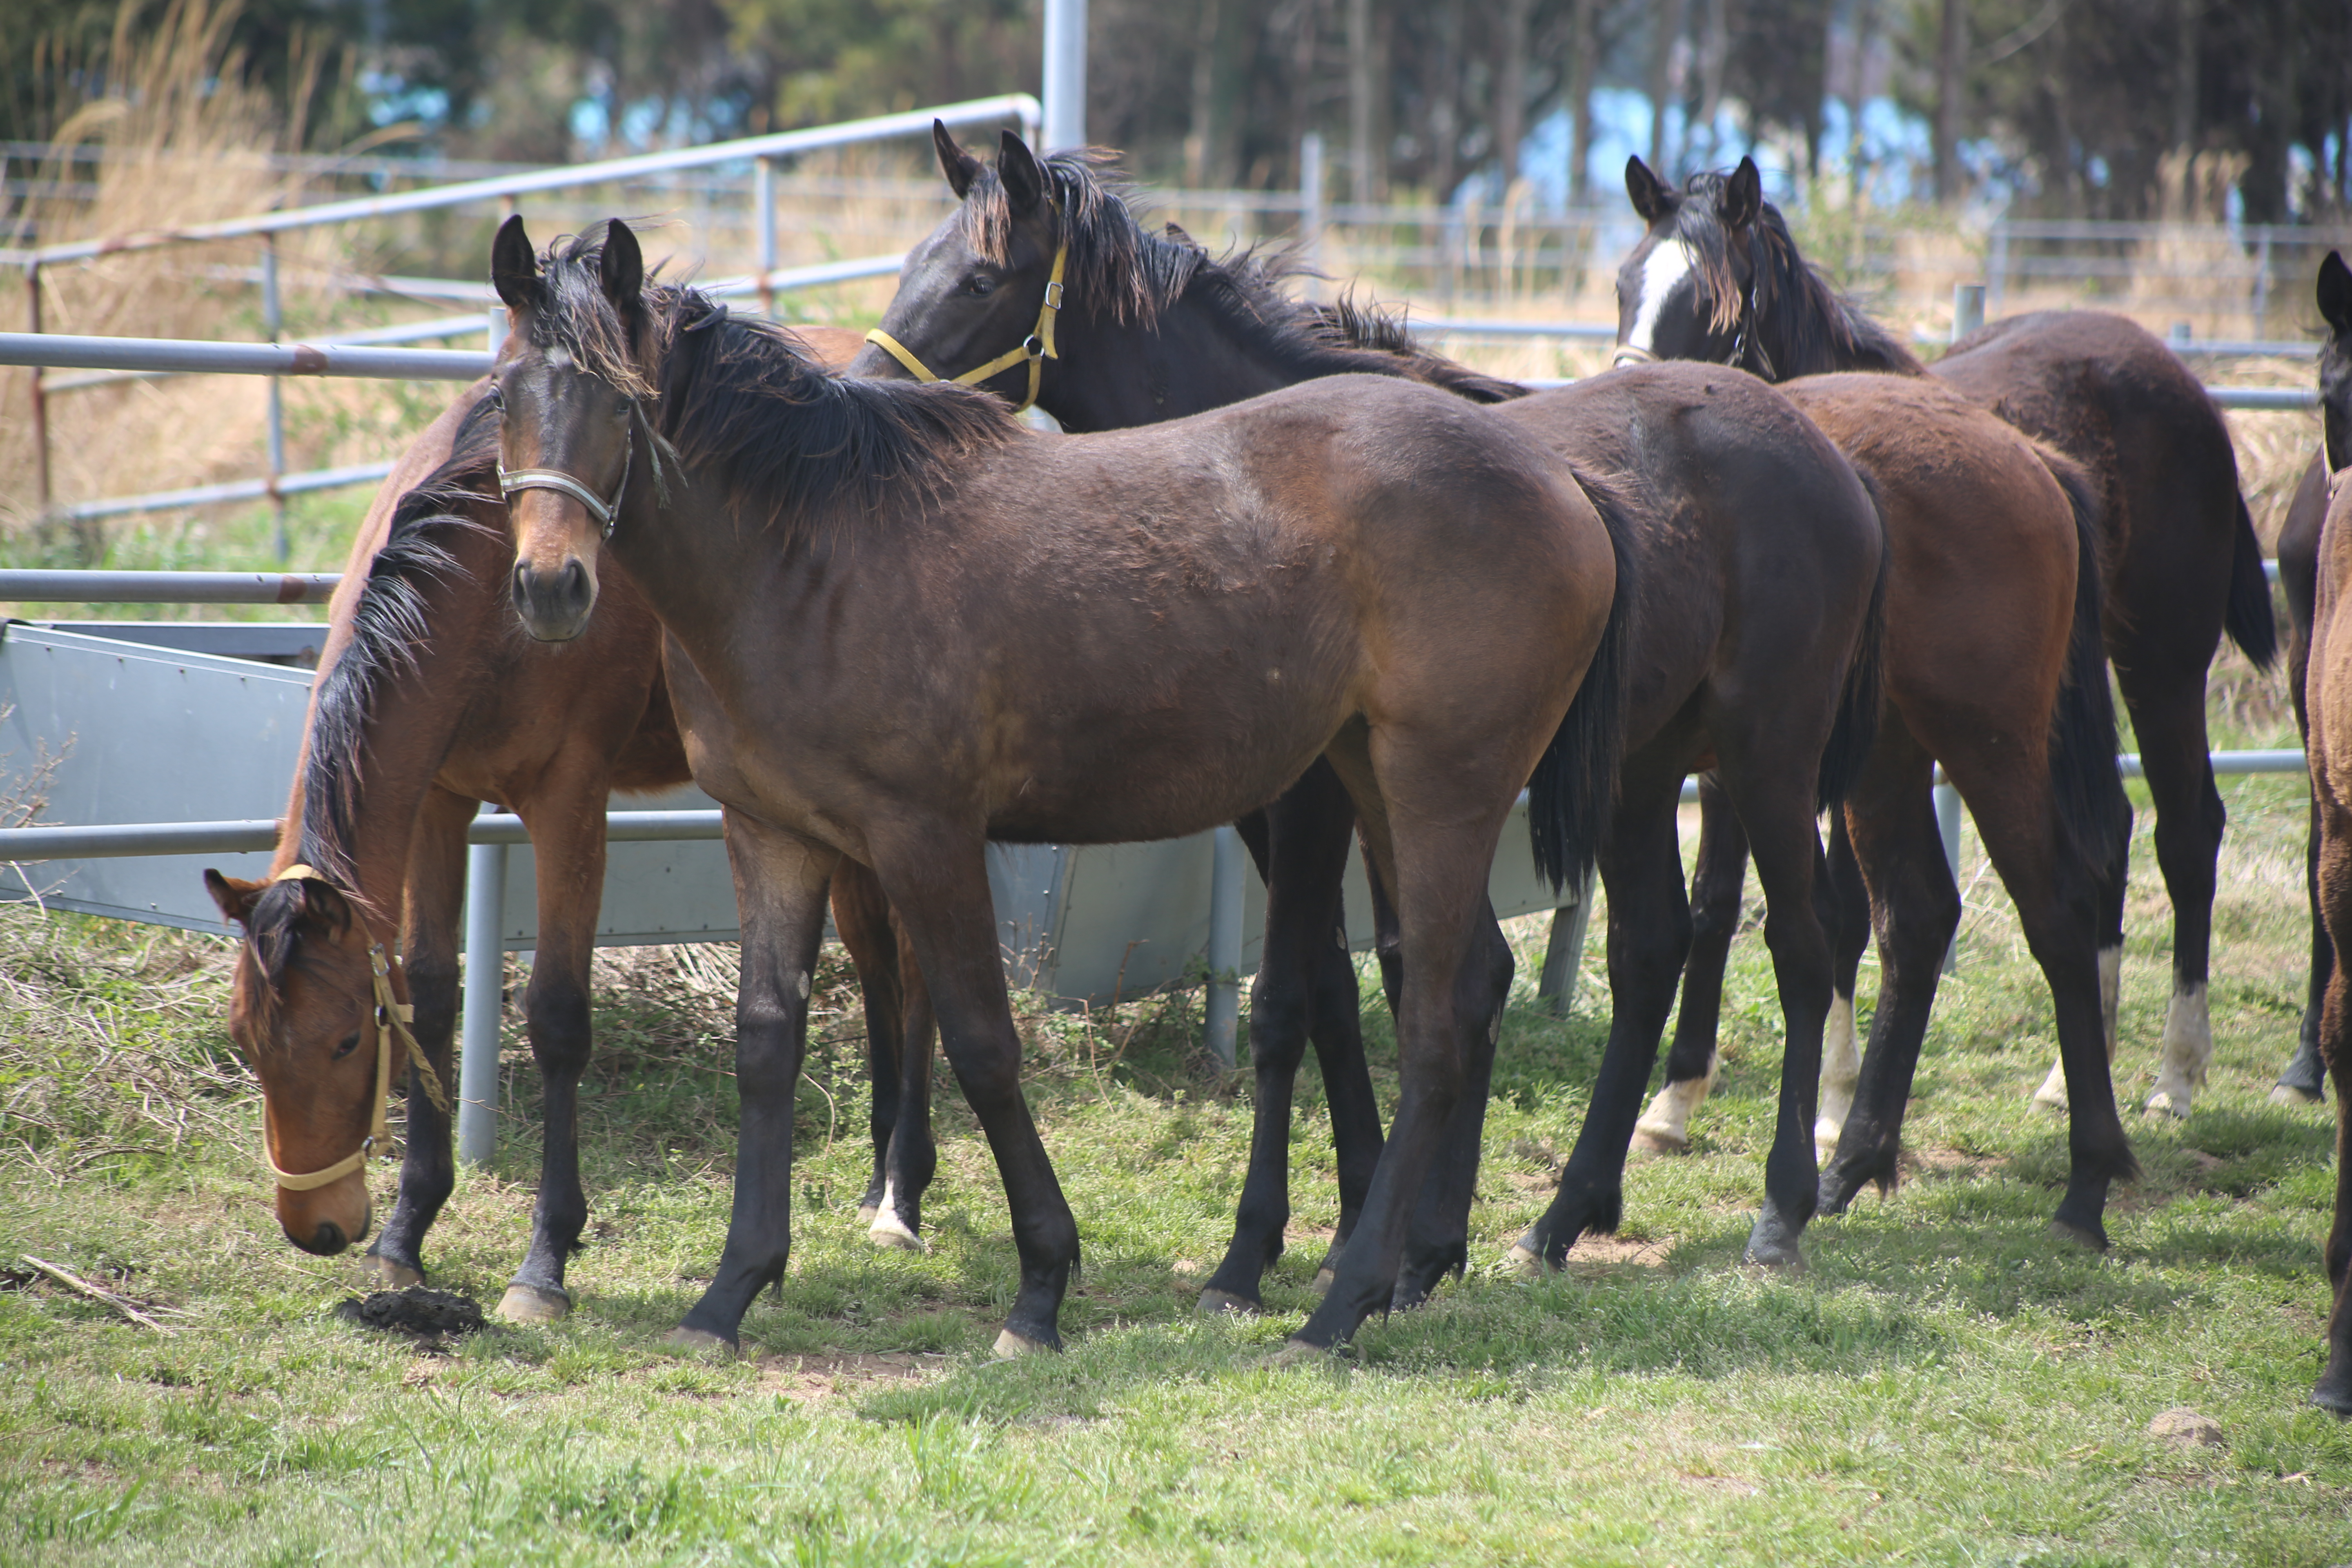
x: 1286, y: 569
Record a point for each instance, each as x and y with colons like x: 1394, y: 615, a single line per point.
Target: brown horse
x: 2303, y: 1082
x: 915, y: 626
x: 1718, y: 278
x: 1758, y: 575
x: 2329, y: 705
x: 428, y: 703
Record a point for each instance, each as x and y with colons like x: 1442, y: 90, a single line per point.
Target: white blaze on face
x: 1664, y: 267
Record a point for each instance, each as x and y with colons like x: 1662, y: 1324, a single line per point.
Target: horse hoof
x: 865, y: 1213
x: 2288, y: 1094
x: 1775, y: 1257
x: 530, y: 1304
x: 1298, y: 1352
x: 700, y: 1341
x: 1323, y: 1278
x: 2163, y: 1102
x: 1649, y: 1140
x: 2336, y: 1399
x: 889, y: 1230
x: 1009, y: 1345
x: 383, y: 1274
x: 1216, y: 1303
x: 2094, y: 1236
x: 1524, y: 1261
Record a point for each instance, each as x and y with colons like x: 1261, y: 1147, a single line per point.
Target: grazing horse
x: 2303, y: 1082
x: 1754, y: 637
x: 915, y: 626
x: 1719, y: 278
x: 428, y: 701
x: 2329, y: 706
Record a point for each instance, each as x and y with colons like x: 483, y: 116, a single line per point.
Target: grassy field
x: 1946, y: 1384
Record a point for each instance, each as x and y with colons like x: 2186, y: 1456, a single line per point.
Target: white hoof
x: 383, y: 1274
x: 530, y: 1304
x: 697, y: 1341
x: 889, y: 1230
x: 1009, y: 1345
x: 2164, y: 1101
x: 2052, y: 1095
x: 2284, y: 1095
x: 1665, y: 1127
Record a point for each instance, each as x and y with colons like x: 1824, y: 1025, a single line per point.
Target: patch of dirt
x: 430, y: 1317
x: 1532, y: 1181
x: 814, y: 1377
x: 1603, y: 1254
x: 1942, y: 1161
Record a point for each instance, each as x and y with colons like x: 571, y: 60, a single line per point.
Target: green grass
x: 1946, y: 1384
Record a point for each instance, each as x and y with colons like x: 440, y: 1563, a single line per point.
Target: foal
x: 1719, y: 278
x: 914, y: 626
x: 428, y: 702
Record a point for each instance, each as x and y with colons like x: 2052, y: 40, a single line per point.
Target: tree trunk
x: 1198, y: 140
x: 2184, y: 74
x: 1661, y: 87
x: 1951, y: 63
x: 1583, y: 41
x: 1713, y: 51
x: 1445, y: 105
x: 1511, y: 86
x: 1363, y: 82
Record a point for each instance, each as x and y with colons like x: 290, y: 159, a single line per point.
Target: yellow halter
x: 1036, y: 348
x: 387, y: 1017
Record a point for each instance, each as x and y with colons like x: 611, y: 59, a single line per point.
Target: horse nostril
x: 575, y: 585
x: 521, y: 586
x: 327, y: 1240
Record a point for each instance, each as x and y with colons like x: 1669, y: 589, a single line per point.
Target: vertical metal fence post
x: 763, y: 203
x: 273, y: 317
x: 1967, y: 315
x: 477, y: 1071
x: 1222, y: 1025
x: 1311, y: 212
x: 1064, y: 82
x: 1996, y: 271
x: 40, y: 394
x: 1565, y: 949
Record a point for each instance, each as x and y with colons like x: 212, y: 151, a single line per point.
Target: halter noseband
x: 387, y: 1017
x: 513, y: 481
x: 1036, y: 348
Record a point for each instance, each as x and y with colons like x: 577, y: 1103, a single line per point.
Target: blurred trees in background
x: 2091, y: 108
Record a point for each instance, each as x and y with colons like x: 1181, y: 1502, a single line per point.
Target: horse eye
x: 351, y: 1043
x: 980, y: 283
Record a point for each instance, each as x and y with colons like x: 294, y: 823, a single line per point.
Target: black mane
x: 388, y: 628
x: 1119, y: 266
x: 1803, y: 325
x: 718, y: 384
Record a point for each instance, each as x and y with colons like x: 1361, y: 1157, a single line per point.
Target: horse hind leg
x: 2333, y: 1392
x: 1439, y: 1242
x: 2190, y: 822
x: 1843, y: 900
x: 861, y: 918
x: 912, y: 1159
x: 1715, y: 910
x: 2304, y: 1079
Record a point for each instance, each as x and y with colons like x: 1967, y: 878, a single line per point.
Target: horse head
x: 1683, y: 291
x: 301, y: 1010
x: 571, y: 399
x: 978, y: 299
x: 2336, y: 361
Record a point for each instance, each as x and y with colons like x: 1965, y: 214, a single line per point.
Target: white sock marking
x: 2188, y: 1051
x: 1840, y: 1069
x: 1668, y: 1118
x: 2111, y: 983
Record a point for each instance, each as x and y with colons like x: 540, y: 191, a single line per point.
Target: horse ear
x: 514, y: 270
x: 959, y: 167
x: 1653, y: 197
x: 1742, y: 196
x: 235, y: 895
x: 1024, y: 178
x: 2335, y: 292
x: 622, y: 270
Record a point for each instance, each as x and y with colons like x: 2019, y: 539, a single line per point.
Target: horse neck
x: 411, y: 721
x: 1193, y: 357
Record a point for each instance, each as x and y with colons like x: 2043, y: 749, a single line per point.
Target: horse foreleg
x: 2190, y: 820
x: 781, y: 880
x: 861, y: 918
x: 2305, y: 1081
x: 1665, y: 1127
x: 1649, y: 939
x: 1439, y: 1241
x: 430, y: 916
x: 1301, y: 846
x: 1843, y: 900
x: 567, y: 835
x: 914, y: 1158
x: 2334, y: 1390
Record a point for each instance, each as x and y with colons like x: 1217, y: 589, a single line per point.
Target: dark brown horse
x: 429, y: 701
x: 1758, y: 559
x: 914, y: 626
x: 1718, y: 278
x: 2303, y: 1082
x: 2329, y: 705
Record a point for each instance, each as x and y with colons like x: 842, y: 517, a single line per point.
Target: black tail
x: 1856, y: 727
x: 2093, y: 810
x: 2248, y: 618
x: 1575, y: 785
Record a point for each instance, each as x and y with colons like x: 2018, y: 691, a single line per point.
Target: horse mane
x: 1118, y: 268
x: 1802, y: 323
x: 717, y: 384
x: 388, y: 626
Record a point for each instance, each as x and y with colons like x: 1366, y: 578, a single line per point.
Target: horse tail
x: 1574, y: 790
x: 2094, y: 813
x: 1856, y: 728
x: 2248, y: 616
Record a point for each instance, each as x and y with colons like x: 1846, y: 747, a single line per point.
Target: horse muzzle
x: 324, y: 1222
x: 554, y: 605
